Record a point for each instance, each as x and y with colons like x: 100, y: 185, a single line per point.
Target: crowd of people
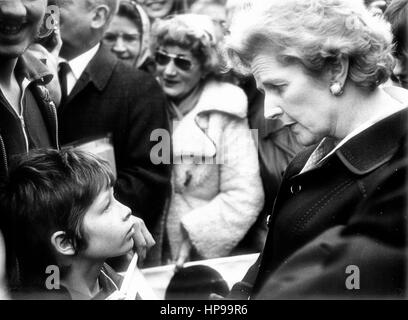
x: 237, y: 126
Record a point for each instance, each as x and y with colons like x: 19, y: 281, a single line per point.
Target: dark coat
x: 277, y: 146
x: 111, y: 97
x: 38, y: 76
x: 351, y: 210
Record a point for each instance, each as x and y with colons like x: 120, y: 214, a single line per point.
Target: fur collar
x: 190, y: 139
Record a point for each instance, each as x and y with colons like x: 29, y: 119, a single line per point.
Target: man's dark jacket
x: 339, y: 230
x: 112, y: 97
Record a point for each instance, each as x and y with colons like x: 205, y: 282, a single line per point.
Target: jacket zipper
x: 23, y: 126
x: 3, y: 152
x: 22, y: 123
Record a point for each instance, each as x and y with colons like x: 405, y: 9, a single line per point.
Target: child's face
x: 107, y: 227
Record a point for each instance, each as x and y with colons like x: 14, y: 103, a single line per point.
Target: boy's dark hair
x: 45, y: 192
x: 397, y: 15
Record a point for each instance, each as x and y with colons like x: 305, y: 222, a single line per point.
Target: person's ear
x: 338, y: 73
x: 100, y: 16
x: 204, y: 73
x: 61, y: 244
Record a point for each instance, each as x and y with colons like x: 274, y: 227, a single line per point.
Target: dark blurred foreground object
x: 196, y: 283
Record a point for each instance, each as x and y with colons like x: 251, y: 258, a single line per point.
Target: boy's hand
x: 143, y: 240
x: 184, y: 254
x: 184, y: 251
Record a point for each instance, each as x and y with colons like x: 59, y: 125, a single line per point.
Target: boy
x: 66, y: 222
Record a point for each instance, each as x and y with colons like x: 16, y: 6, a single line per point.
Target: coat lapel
x: 98, y: 72
x: 190, y: 138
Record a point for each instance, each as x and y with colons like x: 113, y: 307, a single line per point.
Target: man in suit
x: 101, y: 95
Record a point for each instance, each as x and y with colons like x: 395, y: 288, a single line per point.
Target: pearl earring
x: 336, y: 89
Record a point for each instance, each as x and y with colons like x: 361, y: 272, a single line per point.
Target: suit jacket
x: 112, y: 97
x: 349, y: 211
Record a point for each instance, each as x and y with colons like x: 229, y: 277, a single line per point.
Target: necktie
x: 63, y: 71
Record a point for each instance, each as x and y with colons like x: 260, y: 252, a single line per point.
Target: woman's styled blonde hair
x: 192, y: 32
x: 315, y: 34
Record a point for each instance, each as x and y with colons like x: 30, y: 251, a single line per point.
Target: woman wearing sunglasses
x: 217, y: 192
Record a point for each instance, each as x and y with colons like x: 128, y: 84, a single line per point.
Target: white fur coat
x: 216, y: 202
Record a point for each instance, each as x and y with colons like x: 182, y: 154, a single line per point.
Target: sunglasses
x: 163, y: 59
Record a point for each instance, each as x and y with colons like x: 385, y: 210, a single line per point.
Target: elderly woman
x: 340, y: 211
x: 128, y: 36
x: 217, y: 192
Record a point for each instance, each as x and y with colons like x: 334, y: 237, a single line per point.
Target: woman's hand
x: 143, y: 239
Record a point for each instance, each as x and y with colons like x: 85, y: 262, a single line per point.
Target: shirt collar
x: 79, y: 63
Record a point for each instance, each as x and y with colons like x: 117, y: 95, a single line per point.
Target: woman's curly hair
x: 191, y: 32
x: 316, y: 34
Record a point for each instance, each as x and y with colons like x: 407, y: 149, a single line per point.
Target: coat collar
x: 98, y: 71
x: 191, y: 136
x: 101, y: 67
x: 32, y: 69
x: 366, y: 151
x: 376, y: 145
x: 222, y: 97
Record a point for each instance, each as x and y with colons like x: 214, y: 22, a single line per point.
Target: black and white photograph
x: 216, y: 151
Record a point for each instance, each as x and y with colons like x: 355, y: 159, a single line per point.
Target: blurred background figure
x: 159, y: 9
x: 3, y: 287
x: 217, y: 192
x: 216, y: 10
x: 128, y: 35
x: 397, y: 15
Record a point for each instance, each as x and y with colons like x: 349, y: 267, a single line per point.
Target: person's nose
x: 271, y: 107
x: 119, y: 46
x: 170, y: 70
x: 125, y: 211
x: 12, y: 9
